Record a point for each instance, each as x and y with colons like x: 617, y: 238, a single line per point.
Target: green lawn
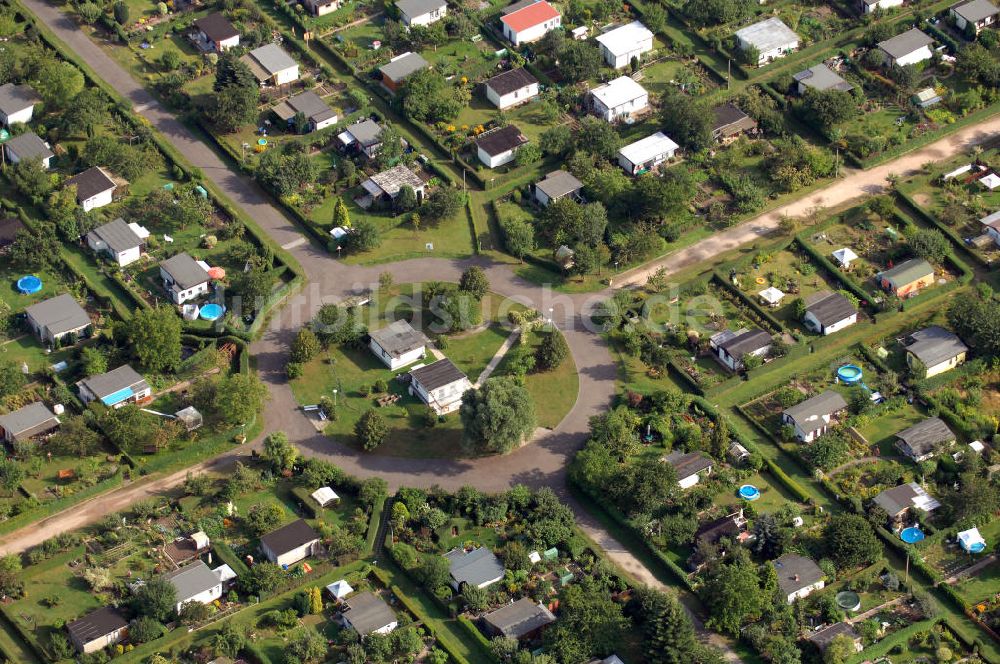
x: 473, y: 352
x: 553, y: 392
x: 882, y: 431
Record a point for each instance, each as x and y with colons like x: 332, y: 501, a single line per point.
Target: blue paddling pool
x: 749, y: 492
x: 911, y: 535
x: 849, y: 374
x: 211, y: 312
x: 976, y: 547
x: 29, y: 284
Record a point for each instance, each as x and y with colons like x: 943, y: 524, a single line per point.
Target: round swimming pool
x: 849, y: 374
x: 29, y: 284
x: 976, y: 547
x: 211, y: 311
x: 848, y: 600
x: 911, y: 535
x: 749, y: 492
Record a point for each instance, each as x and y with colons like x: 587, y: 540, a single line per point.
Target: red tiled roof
x: 530, y: 16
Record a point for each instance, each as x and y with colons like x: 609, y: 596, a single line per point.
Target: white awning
x: 225, y: 573
x: 771, y: 295
x: 325, y: 495
x: 346, y: 138
x: 340, y: 589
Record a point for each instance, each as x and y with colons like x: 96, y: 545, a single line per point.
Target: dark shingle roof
x: 903, y: 497
x: 934, y: 345
x: 822, y: 638
x: 507, y: 82
x: 474, y: 567
x: 9, y: 228
x: 440, y: 373
x: 307, y: 103
x: 746, y: 342
x: 821, y: 77
x: 558, y: 184
x: 59, y: 314
x: 974, y: 11
x: 829, y: 307
x: 713, y: 531
x: 185, y: 270
x: 367, y: 132
x: 118, y: 235
x: 501, y: 140
x: 796, y: 572
x: 925, y: 435
x: 90, y: 183
x: 398, y: 338
x: 519, y: 618
x: 289, y: 537
x: 688, y: 463
x: 217, y: 27
x: 14, y: 98
x: 826, y: 403
x: 29, y: 146
x: 367, y: 612
x: 28, y: 421
x: 97, y: 623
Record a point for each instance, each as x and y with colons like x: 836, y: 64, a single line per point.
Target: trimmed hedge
x: 764, y: 318
x: 226, y: 554
x: 475, y: 634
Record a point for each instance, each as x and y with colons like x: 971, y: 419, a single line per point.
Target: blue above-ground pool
x: 29, y: 284
x: 849, y: 374
x: 211, y: 312
x: 749, y: 492
x: 976, y: 547
x: 911, y: 535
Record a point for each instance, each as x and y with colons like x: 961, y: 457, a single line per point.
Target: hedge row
x: 674, y: 369
x: 476, y: 635
x: 849, y: 282
x: 949, y: 232
x: 764, y: 318
x: 226, y: 554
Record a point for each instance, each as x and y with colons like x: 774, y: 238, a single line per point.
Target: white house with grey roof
x: 17, y: 103
x: 195, y: 583
x: 115, y: 388
x: 925, y: 439
x: 421, y: 12
x: 479, y: 568
x: 94, y: 188
x: 820, y: 77
x: 271, y: 65
x: 909, y: 48
x: 730, y: 347
x: 869, y: 6
x: 321, y: 7
x: 28, y: 146
x: 647, y: 154
x: 57, y: 317
x: 511, y: 88
x: 812, y: 417
x: 27, y: 422
x: 122, y: 242
x: 367, y: 613
x: 901, y: 501
x: 499, y: 146
x: 690, y: 467
x: 440, y: 385
x: 291, y: 543
x: 619, y: 99
x: 798, y: 576
x: 936, y: 349
x: 398, y: 344
x: 828, y: 312
x: 771, y: 37
x: 317, y: 112
x: 621, y: 45
x: 556, y: 185
x: 364, y: 136
x: 184, y: 278
x: 974, y: 15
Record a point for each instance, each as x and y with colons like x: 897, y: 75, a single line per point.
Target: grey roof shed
x: 59, y: 314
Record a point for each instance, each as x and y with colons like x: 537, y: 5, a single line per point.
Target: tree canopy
x: 498, y: 416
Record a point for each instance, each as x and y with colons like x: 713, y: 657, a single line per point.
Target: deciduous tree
x: 497, y: 417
